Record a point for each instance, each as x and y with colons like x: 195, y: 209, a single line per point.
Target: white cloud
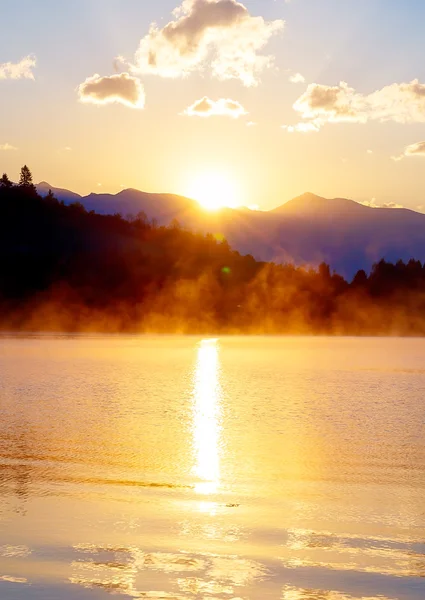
x: 297, y: 78
x: 399, y: 102
x: 303, y: 127
x: 324, y: 103
x: 123, y: 89
x: 6, y: 147
x: 417, y: 149
x: 217, y: 34
x: 20, y: 70
x: 391, y: 205
x: 373, y: 204
x: 210, y: 108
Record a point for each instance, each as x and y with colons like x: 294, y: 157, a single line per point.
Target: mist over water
x: 201, y: 468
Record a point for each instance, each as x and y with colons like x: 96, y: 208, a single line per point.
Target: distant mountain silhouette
x: 306, y: 230
x: 162, y: 207
x: 309, y: 204
x: 61, y: 194
x: 347, y: 235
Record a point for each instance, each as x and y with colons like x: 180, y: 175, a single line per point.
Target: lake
x: 234, y: 468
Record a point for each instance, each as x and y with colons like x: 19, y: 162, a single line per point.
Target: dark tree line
x: 65, y: 269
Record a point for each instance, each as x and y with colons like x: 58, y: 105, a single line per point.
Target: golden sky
x: 260, y: 101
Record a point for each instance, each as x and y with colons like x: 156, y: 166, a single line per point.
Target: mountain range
x: 306, y: 230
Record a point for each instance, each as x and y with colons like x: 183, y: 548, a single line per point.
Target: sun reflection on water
x: 206, y: 425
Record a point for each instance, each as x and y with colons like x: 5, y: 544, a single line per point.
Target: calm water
x: 187, y: 468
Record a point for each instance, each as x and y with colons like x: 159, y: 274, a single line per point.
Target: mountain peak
x: 309, y: 203
x: 308, y: 199
x: 44, y: 184
x: 61, y: 194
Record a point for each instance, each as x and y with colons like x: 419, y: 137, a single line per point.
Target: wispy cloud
x: 220, y: 35
x: 373, y: 204
x: 6, y: 147
x: 297, y: 78
x: 399, y: 102
x: 21, y: 70
x: 123, y: 89
x: 417, y: 149
x: 303, y: 127
x: 391, y: 205
x: 221, y: 108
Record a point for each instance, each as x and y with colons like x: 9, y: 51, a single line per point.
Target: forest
x: 63, y: 269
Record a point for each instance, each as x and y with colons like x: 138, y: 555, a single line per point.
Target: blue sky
x: 365, y: 150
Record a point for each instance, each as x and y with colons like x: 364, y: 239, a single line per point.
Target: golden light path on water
x: 206, y: 422
x: 189, y: 468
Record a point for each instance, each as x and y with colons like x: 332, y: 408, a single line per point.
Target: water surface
x: 234, y: 468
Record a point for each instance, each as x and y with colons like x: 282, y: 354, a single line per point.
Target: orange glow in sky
x: 214, y: 191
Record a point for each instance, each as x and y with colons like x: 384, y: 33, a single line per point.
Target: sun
x: 214, y: 191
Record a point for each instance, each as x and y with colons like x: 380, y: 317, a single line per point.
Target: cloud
x: 417, y: 149
x: 6, y: 147
x: 220, y: 35
x: 399, y: 102
x: 297, y: 78
x: 122, y: 89
x: 20, y: 70
x: 303, y: 127
x: 373, y: 204
x: 324, y: 103
x: 222, y: 108
x: 391, y: 205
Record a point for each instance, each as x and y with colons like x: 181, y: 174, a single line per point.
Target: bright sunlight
x: 214, y: 191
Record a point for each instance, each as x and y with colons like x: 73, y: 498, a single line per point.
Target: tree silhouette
x: 65, y: 268
x: 50, y: 197
x: 360, y: 279
x: 5, y: 182
x: 26, y: 182
x: 25, y: 178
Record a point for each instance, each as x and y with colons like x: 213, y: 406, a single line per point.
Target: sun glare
x: 214, y: 191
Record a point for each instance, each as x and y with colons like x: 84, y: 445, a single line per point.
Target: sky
x: 257, y: 101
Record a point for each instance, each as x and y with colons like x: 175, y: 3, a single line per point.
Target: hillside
x: 63, y: 268
x: 306, y: 230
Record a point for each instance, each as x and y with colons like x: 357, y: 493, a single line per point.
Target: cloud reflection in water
x: 123, y: 571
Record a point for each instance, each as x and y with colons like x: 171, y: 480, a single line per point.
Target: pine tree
x: 25, y: 179
x: 5, y: 182
x: 50, y: 196
x: 26, y: 183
